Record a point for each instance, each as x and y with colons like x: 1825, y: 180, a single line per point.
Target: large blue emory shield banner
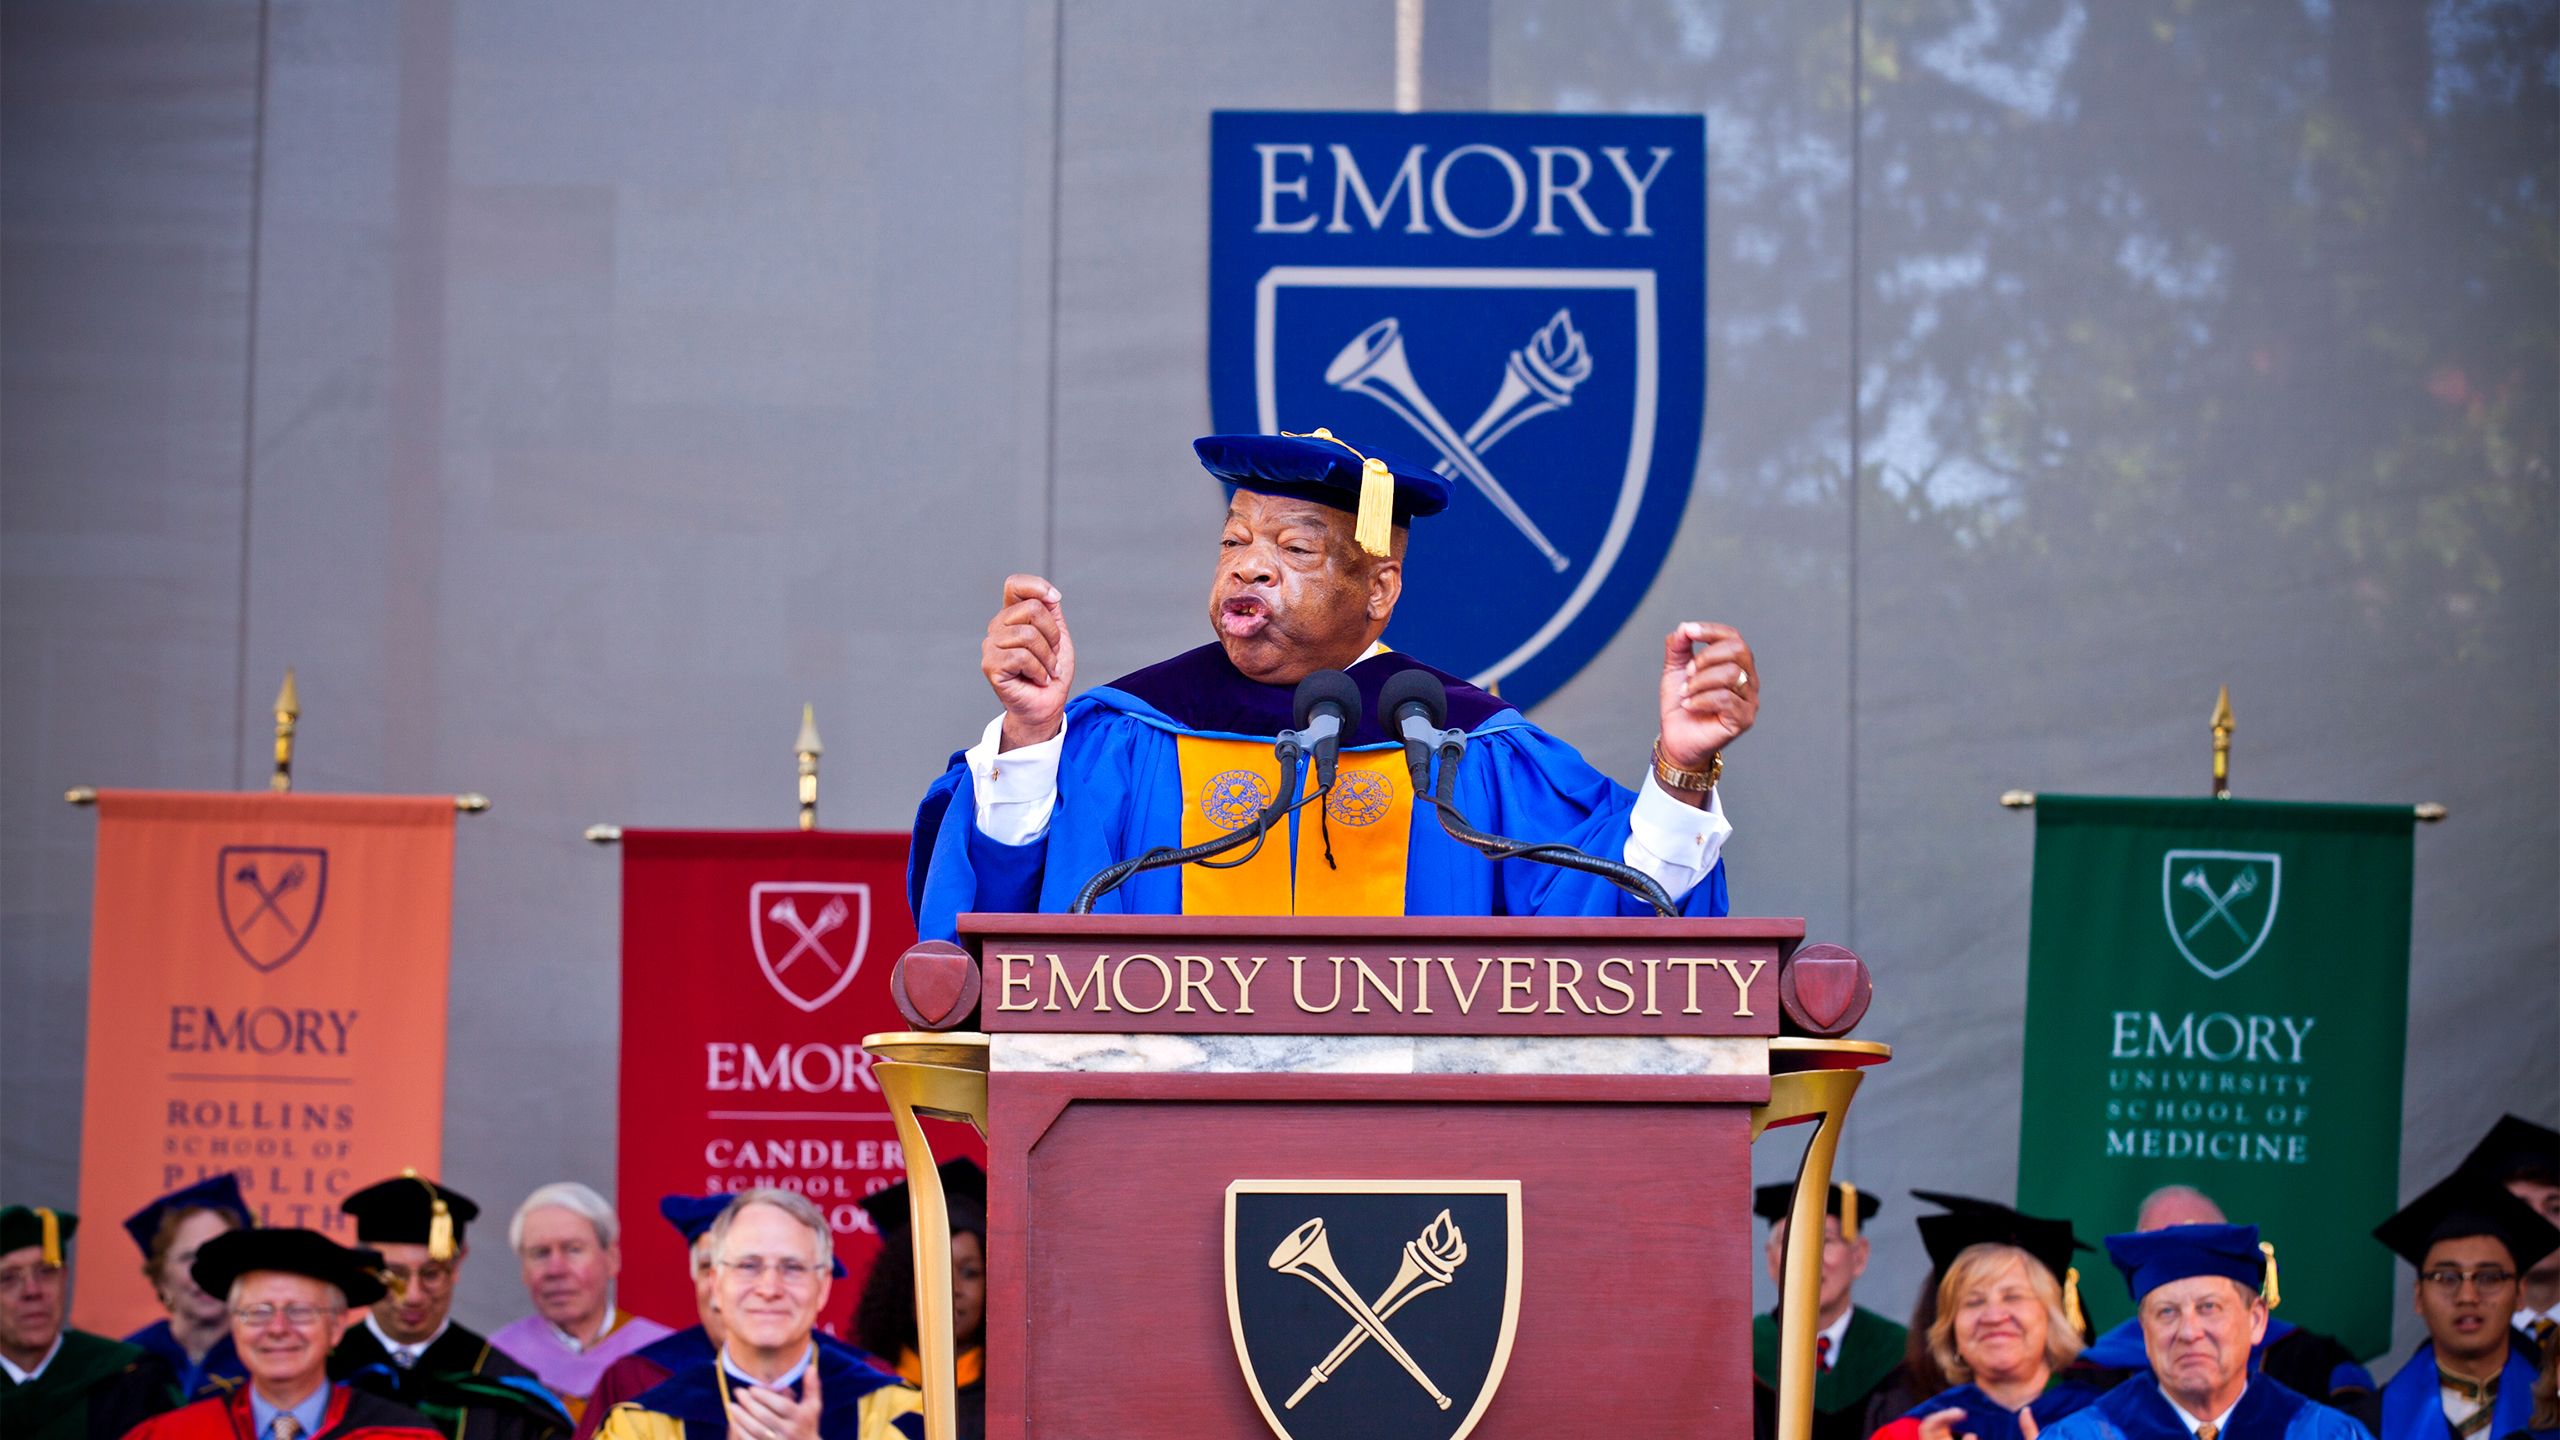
x: 1518, y: 301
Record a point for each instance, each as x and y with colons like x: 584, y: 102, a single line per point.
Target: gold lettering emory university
x: 1398, y: 984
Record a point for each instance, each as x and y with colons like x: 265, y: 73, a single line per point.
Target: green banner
x: 2217, y: 996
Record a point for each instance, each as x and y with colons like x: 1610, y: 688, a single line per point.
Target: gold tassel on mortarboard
x: 2071, y: 1310
x: 52, y: 1224
x: 439, y: 1221
x: 1374, y: 523
x: 2267, y: 1288
x: 1848, y: 1212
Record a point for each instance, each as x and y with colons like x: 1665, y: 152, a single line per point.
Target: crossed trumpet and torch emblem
x: 2218, y: 907
x: 786, y: 913
x: 1430, y: 1262
x: 1537, y: 378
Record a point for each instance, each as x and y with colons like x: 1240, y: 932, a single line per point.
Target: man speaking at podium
x: 1182, y: 752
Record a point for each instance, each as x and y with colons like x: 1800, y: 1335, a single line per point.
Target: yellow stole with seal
x: 1367, y: 822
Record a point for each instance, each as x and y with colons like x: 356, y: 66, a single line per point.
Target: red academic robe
x: 351, y: 1415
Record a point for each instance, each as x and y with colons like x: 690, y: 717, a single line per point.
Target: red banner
x: 753, y: 963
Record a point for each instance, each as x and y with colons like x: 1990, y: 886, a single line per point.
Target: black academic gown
x: 93, y: 1388
x: 1849, y: 1398
x: 471, y: 1389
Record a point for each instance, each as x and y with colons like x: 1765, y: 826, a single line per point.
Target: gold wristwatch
x: 1693, y: 780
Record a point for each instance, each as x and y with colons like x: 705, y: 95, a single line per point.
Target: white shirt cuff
x: 1674, y: 843
x: 1017, y: 789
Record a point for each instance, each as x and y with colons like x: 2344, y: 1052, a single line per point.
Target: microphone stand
x: 1550, y: 852
x: 1111, y: 877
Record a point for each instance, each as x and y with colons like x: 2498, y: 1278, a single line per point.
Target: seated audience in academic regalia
x: 195, y: 1339
x: 57, y: 1383
x: 1857, y: 1353
x: 2006, y: 1327
x: 409, y: 1348
x: 2309, y: 1363
x: 884, y: 1319
x: 773, y: 1255
x: 649, y: 1366
x: 2525, y: 1158
x: 1990, y: 1221
x: 2473, y: 1378
x: 568, y: 1245
x: 2202, y: 1293
x: 290, y: 1293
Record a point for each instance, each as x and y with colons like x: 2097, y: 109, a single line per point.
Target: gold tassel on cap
x: 439, y: 1222
x: 52, y: 1224
x: 1374, y: 523
x: 1848, y: 1212
x: 2267, y: 1288
x: 2071, y: 1310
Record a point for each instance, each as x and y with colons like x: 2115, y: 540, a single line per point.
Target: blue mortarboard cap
x: 2153, y: 1258
x: 1337, y: 473
x: 693, y: 1215
x: 221, y: 1193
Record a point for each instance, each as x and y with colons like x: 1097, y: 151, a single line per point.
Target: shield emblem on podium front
x: 1373, y: 1309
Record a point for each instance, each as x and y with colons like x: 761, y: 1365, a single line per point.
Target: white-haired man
x: 772, y: 1258
x: 2199, y: 1294
x: 292, y: 1293
x: 569, y: 1244
x: 2309, y: 1363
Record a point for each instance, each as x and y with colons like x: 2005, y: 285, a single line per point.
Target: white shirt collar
x: 24, y: 1376
x: 2221, y: 1423
x: 2526, y: 1315
x: 576, y: 1346
x: 789, y: 1378
x: 1835, y: 1330
x: 405, y: 1355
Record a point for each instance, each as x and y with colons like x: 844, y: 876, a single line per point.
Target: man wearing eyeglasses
x: 57, y: 1383
x: 408, y: 1348
x: 2473, y: 1379
x: 290, y: 1293
x: 772, y: 1255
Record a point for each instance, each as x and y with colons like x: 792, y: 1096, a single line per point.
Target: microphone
x: 1326, y: 707
x: 1416, y: 705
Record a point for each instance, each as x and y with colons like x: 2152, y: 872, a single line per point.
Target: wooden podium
x: 1336, y: 1177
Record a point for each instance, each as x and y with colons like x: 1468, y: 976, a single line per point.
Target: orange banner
x: 267, y: 997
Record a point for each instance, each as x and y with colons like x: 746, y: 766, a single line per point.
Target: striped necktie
x: 285, y: 1427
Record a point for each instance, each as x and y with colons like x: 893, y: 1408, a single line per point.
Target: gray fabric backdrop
x: 570, y: 390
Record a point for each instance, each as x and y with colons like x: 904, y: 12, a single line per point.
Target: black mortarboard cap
x: 25, y: 1225
x: 1970, y: 1221
x: 2464, y: 1204
x: 1331, y: 471
x: 2516, y: 1149
x: 221, y: 1193
x: 1773, y: 1202
x: 964, y: 1194
x: 411, y: 1210
x: 234, y: 1253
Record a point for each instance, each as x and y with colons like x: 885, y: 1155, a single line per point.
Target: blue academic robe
x: 2413, y: 1401
x: 691, y: 1397
x: 219, y: 1373
x: 1988, y: 1419
x: 2136, y: 1410
x: 1120, y: 794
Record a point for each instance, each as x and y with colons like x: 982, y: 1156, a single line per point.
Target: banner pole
x: 2222, y: 728
x: 807, y: 749
x: 288, y: 714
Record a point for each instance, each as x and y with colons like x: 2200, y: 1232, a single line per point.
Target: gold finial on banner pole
x: 2222, y: 728
x: 808, y: 749
x: 288, y: 713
